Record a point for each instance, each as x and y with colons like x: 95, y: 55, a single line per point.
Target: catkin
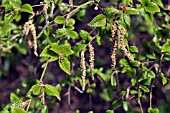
x: 83, y: 69
x: 29, y: 27
x: 33, y: 31
x: 45, y: 8
x: 113, y: 54
x: 91, y: 60
x: 122, y: 46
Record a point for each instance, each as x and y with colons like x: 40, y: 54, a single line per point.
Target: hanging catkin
x: 33, y: 32
x: 91, y: 59
x: 45, y: 8
x: 114, y: 39
x: 83, y: 69
x: 29, y: 27
x: 122, y: 46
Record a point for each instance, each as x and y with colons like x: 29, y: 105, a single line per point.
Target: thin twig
x: 151, y: 89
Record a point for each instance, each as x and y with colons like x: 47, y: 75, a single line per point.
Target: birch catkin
x: 83, y: 69
x: 113, y: 54
x: 29, y: 27
x: 122, y: 45
x: 91, y: 60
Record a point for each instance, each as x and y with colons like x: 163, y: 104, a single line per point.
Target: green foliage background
x: 52, y: 81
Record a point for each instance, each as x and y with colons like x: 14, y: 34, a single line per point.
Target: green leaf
x: 64, y: 49
x: 128, y: 2
x: 151, y: 74
x: 85, y: 35
x: 151, y: 110
x: 132, y: 11
x: 61, y: 32
x: 14, y: 98
x: 144, y: 88
x: 126, y: 69
x: 36, y: 89
x: 159, y: 2
x: 116, y: 103
x: 44, y: 109
x: 110, y: 12
x: 145, y: 2
x: 152, y: 7
x: 110, y: 111
x: 98, y: 21
x: 27, y: 8
x: 10, y: 18
x: 73, y: 34
x: 133, y: 49
x: 52, y: 91
x: 126, y: 106
x: 135, y: 63
x: 164, y: 80
x: 127, y: 19
x: 123, y: 62
x: 148, y: 17
x: 59, y: 20
x: 133, y: 81
x: 17, y: 110
x: 47, y: 53
x: 57, y: 1
x: 65, y: 65
x: 70, y: 22
x: 166, y: 46
x: 81, y: 14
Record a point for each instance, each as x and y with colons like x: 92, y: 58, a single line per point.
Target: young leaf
x: 10, y: 18
x: 135, y: 63
x: 14, y: 98
x: 166, y: 46
x: 164, y: 80
x: 110, y: 111
x: 36, y: 89
x: 133, y: 49
x: 144, y: 88
x: 52, y: 91
x: 127, y: 19
x: 85, y: 35
x: 145, y: 2
x: 64, y: 50
x: 27, y: 8
x: 152, y: 7
x: 61, y: 32
x: 116, y: 103
x: 73, y: 34
x: 17, y: 110
x: 70, y: 22
x: 65, y: 65
x: 132, y: 11
x: 151, y: 110
x: 98, y: 21
x: 59, y: 20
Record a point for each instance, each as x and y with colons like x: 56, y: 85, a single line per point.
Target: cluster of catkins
x: 83, y: 64
x: 118, y: 33
x: 30, y: 28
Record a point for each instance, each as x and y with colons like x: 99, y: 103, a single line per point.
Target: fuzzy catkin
x: 83, y: 70
x: 113, y: 54
x: 45, y: 8
x: 33, y: 31
x: 122, y: 45
x: 91, y: 60
x: 29, y: 27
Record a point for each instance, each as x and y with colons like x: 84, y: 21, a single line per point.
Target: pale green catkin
x: 91, y: 59
x: 83, y: 70
x: 122, y: 45
x: 114, y: 39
